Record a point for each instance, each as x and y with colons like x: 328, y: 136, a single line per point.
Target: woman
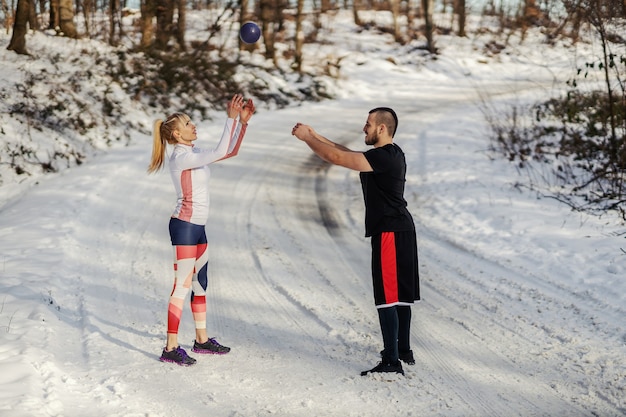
x: 189, y: 168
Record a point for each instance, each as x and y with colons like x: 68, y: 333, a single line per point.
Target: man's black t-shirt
x: 383, y: 191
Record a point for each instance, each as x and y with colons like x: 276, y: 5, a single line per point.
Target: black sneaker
x: 177, y: 356
x: 385, y: 367
x: 407, y: 357
x: 210, y: 346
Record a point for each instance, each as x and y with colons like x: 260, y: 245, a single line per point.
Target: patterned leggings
x: 190, y: 272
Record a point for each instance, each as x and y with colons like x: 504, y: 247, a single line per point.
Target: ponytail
x: 158, y: 148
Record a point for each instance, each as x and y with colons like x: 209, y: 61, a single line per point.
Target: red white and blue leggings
x: 190, y: 272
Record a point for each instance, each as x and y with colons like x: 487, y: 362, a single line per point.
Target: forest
x: 575, y: 143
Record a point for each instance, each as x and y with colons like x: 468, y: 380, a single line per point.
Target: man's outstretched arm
x: 330, y: 151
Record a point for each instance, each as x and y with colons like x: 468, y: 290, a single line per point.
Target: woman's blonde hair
x: 163, y: 134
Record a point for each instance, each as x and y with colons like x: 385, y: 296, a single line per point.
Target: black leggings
x: 395, y: 325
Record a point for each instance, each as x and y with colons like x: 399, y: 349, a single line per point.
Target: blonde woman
x: 189, y: 169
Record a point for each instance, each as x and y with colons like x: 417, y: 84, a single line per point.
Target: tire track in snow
x: 268, y: 214
x: 313, y: 181
x: 264, y: 267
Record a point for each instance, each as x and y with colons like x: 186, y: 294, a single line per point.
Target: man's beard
x: 371, y: 140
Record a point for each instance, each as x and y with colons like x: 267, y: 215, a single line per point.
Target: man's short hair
x: 387, y: 117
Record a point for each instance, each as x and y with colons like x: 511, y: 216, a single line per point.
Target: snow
x: 523, y: 299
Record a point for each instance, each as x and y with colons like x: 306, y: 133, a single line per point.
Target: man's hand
x: 302, y: 131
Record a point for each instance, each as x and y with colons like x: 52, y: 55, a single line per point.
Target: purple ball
x: 249, y: 32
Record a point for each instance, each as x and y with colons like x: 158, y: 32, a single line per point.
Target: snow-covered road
x: 522, y: 311
x: 87, y: 273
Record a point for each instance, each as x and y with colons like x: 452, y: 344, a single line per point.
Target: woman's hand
x: 247, y: 111
x: 234, y: 106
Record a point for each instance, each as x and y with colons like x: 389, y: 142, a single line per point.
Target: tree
x: 299, y: 37
x: 327, y: 5
x: 62, y: 18
x: 428, y: 6
x: 86, y: 7
x: 271, y: 23
x: 166, y: 28
x: 66, y: 19
x: 53, y: 22
x: 165, y: 23
x: 18, y: 39
x: 181, y: 23
x: 461, y: 11
x: 395, y: 13
x: 114, y: 21
x: 243, y: 17
x: 600, y: 14
x: 355, y: 13
x: 148, y: 12
x: 33, y: 23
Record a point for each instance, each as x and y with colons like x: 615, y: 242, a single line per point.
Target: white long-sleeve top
x: 189, y: 168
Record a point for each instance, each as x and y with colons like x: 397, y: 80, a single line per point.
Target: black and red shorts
x: 395, y: 274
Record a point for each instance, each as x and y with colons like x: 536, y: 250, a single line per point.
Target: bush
x: 566, y: 147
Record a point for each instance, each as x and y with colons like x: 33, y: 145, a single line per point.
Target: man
x: 389, y: 225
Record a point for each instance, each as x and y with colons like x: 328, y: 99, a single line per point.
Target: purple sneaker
x: 210, y: 346
x: 177, y: 356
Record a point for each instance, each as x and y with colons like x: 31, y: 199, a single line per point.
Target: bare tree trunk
x: 395, y: 14
x: 18, y: 39
x: 165, y: 22
x: 355, y: 12
x: 32, y: 16
x: 243, y: 18
x: 410, y: 14
x: 271, y: 24
x: 599, y: 22
x: 85, y: 6
x: 54, y: 14
x: 267, y: 23
x: 66, y: 19
x: 113, y: 13
x: 428, y: 6
x: 148, y: 9
x: 181, y: 24
x: 461, y: 11
x: 299, y: 37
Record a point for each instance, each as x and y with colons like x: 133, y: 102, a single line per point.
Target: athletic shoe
x: 210, y: 346
x: 385, y: 367
x: 407, y: 357
x: 177, y: 356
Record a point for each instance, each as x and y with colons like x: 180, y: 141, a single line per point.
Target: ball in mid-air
x: 249, y: 32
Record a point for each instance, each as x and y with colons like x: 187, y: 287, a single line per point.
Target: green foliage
x: 198, y: 82
x: 565, y: 146
x: 578, y: 114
